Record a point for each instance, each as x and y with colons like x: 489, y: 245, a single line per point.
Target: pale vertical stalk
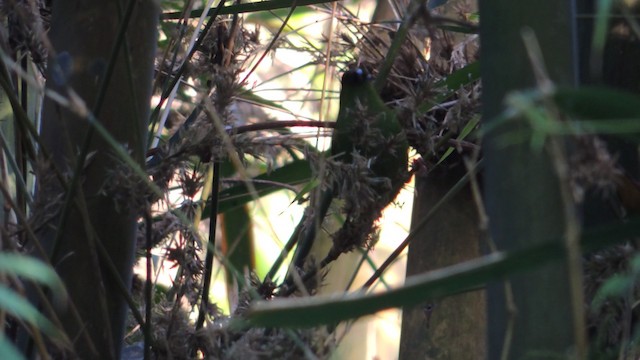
x: 172, y: 95
x: 572, y: 225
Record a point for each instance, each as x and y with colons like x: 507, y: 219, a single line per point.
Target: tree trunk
x: 454, y: 327
x: 522, y: 190
x: 83, y: 34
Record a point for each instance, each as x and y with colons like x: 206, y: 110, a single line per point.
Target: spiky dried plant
x: 28, y: 22
x: 197, y: 137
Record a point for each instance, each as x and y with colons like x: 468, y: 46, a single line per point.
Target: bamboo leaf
x: 432, y: 4
x: 463, y: 134
x: 451, y: 84
x: 598, y: 103
x: 249, y: 7
x: 15, y: 305
x: 32, y: 269
x: 294, y: 173
x: 8, y: 351
x: 450, y: 280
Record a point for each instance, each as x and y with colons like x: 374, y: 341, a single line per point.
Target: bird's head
x: 355, y: 77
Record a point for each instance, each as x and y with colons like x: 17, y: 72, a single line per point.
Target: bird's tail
x: 310, y: 229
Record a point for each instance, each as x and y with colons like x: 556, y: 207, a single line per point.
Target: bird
x: 367, y: 133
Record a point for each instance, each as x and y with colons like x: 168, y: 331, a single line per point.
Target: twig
x: 273, y: 41
x: 208, y: 264
x: 572, y: 229
x: 148, y: 287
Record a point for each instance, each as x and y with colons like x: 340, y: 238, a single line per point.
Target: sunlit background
x: 283, y: 76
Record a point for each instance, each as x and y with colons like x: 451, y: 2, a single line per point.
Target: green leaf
x: 463, y: 134
x: 432, y: 4
x: 451, y: 84
x: 600, y: 110
x: 598, y: 103
x: 597, y: 110
x: 238, y: 244
x: 305, y: 190
x: 616, y: 286
x: 249, y: 7
x: 17, y: 306
x: 30, y: 268
x: 601, y: 29
x: 34, y: 270
x: 619, y: 285
x: 462, y: 277
x: 8, y: 351
x: 273, y: 19
x: 294, y: 173
x: 459, y: 78
x: 251, y: 97
x: 458, y: 29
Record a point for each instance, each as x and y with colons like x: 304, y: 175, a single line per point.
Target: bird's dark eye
x: 355, y: 76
